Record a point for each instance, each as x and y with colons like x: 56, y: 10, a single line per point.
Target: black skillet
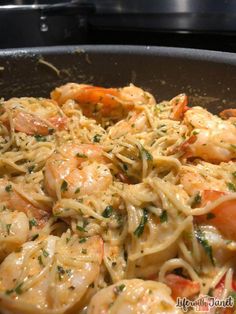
x: 209, y: 78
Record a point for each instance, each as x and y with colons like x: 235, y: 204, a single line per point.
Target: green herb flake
x: 118, y: 289
x: 64, y: 186
x: 18, y: 289
x: 146, y: 154
x: 34, y: 237
x: 45, y: 253
x: 8, y: 188
x: 80, y: 155
x: 9, y: 291
x: 200, y: 236
x: 164, y: 216
x: 77, y: 190
x: 84, y: 251
x: 40, y: 138
x: 231, y: 186
x: 40, y: 260
x: 234, y: 174
x: 32, y: 223
x: 8, y: 226
x: 197, y: 200
x: 97, y: 138
x: 233, y: 146
x: 80, y: 228
x: 125, y: 167
x: 210, y: 216
x: 107, y: 211
x: 31, y: 168
x: 60, y: 271
x: 139, y: 230
x: 233, y: 295
x: 82, y: 240
x: 67, y: 240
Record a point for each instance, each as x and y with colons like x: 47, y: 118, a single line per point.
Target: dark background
x: 205, y: 24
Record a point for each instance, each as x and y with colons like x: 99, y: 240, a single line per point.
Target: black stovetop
x: 205, y: 24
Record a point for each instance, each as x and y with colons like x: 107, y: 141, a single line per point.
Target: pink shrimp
x: 33, y: 116
x: 100, y: 102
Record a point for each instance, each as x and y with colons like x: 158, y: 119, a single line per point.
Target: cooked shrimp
x: 100, y: 102
x: 50, y: 275
x: 228, y: 113
x: 223, y: 216
x: 14, y: 201
x: 193, y: 181
x: 133, y: 296
x: 213, y: 139
x: 179, y: 104
x: 182, y: 287
x: 33, y: 116
x: 14, y: 231
x: 134, y: 123
x: 77, y: 170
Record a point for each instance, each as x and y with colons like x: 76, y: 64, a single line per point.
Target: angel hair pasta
x: 113, y: 203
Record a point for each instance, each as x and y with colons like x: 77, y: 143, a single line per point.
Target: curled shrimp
x: 182, y: 287
x: 133, y: 296
x: 33, y: 116
x: 50, y: 275
x: 179, y: 104
x: 77, y: 170
x: 135, y: 122
x: 13, y: 200
x: 14, y: 231
x: 222, y: 216
x: 228, y: 113
x: 100, y: 102
x: 213, y: 139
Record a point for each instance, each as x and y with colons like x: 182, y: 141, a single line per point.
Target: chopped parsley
x: 80, y: 228
x: 231, y: 186
x: 32, y: 223
x: 233, y: 146
x: 40, y: 260
x: 233, y: 295
x: 8, y: 188
x: 118, y: 289
x: 34, y: 237
x: 107, y: 211
x: 82, y: 240
x: 234, y: 174
x: 60, y: 271
x: 77, y: 190
x: 64, y: 186
x: 200, y: 236
x: 31, y: 168
x: 17, y: 289
x: 164, y: 216
x: 139, y: 230
x: 125, y: 167
x: 8, y: 226
x: 45, y: 253
x: 80, y: 155
x: 97, y: 138
x: 197, y: 200
x: 146, y: 154
x: 84, y: 251
x: 40, y: 138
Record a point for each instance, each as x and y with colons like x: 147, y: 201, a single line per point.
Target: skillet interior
x: 209, y: 78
